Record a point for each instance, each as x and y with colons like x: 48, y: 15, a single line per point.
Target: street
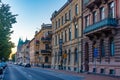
x: 14, y: 72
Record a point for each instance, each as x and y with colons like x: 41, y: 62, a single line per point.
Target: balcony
x: 37, y: 42
x: 45, y: 52
x: 37, y: 52
x: 91, y: 3
x: 46, y: 40
x: 104, y: 24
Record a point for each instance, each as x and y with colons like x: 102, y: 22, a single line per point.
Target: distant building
x: 40, y: 47
x: 19, y: 47
x: 22, y: 54
x: 32, y: 51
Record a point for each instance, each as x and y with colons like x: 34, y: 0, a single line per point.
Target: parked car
x: 20, y: 64
x: 3, y: 65
x: 27, y: 65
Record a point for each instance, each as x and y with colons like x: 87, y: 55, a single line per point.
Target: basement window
x: 94, y: 69
x: 102, y: 70
x: 112, y: 72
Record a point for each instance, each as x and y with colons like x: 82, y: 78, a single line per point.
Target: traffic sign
x: 95, y: 52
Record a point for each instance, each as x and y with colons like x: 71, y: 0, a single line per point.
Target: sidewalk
x: 87, y: 76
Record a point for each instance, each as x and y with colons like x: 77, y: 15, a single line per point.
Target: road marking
x: 29, y: 76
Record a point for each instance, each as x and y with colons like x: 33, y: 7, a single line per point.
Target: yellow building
x: 32, y: 51
x: 43, y: 46
x: 66, y: 39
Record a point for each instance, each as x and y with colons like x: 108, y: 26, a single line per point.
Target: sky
x: 31, y: 15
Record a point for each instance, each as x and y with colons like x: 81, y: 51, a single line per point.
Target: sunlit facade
x: 66, y: 39
x: 43, y: 46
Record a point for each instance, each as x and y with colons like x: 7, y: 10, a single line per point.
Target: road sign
x: 95, y: 52
x: 60, y: 41
x: 64, y: 55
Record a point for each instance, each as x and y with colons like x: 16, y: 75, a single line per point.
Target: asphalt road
x: 14, y: 72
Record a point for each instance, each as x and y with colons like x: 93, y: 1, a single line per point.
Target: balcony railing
x: 45, y: 52
x: 46, y: 39
x: 91, y: 3
x: 37, y: 52
x: 108, y: 22
x: 37, y: 42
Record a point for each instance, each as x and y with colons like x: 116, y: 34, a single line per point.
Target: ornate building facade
x: 66, y: 39
x: 22, y: 54
x: 101, y: 36
x: 42, y: 46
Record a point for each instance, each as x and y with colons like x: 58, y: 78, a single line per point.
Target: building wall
x: 62, y: 32
x: 40, y: 57
x: 32, y: 52
x: 104, y: 64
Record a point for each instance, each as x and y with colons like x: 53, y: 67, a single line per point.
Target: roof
x: 55, y: 13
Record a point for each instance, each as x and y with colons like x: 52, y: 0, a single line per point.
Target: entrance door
x: 86, y: 57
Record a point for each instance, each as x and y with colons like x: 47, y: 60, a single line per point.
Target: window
x: 58, y: 22
x: 94, y: 17
x: 112, y: 47
x: 87, y: 21
x: 55, y: 57
x: 112, y: 10
x: 62, y: 20
x: 46, y: 46
x: 76, y: 30
x: 102, y: 48
x: 56, y: 25
x: 111, y: 71
x: 62, y: 35
x: 70, y: 34
x: 46, y: 59
x: 56, y: 40
x: 65, y: 35
x: 69, y: 57
x: 65, y: 17
x: 58, y: 58
x: 76, y: 56
x: 102, y: 70
x: 69, y: 14
x: 76, y: 9
x: 94, y: 70
x: 102, y: 13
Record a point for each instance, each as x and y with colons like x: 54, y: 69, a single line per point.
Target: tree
x: 6, y: 21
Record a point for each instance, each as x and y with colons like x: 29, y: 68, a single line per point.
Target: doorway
x: 86, y: 57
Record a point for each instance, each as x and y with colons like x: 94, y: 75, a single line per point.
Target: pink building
x: 101, y: 42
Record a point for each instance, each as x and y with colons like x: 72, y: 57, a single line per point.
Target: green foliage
x: 6, y: 21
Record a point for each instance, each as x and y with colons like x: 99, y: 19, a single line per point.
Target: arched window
x: 76, y: 56
x: 46, y: 59
x: 112, y: 46
x: 102, y: 48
